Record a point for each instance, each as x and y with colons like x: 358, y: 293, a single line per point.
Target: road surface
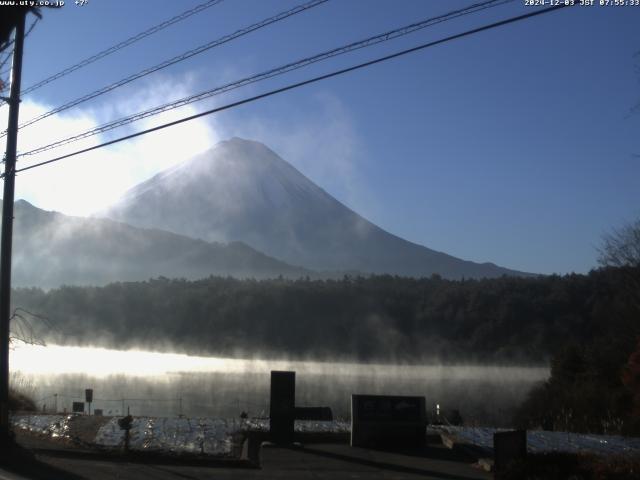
x: 333, y: 461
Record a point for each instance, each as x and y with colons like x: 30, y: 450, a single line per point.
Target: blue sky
x: 516, y: 146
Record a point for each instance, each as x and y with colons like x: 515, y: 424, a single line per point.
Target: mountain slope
x: 241, y: 190
x: 51, y: 249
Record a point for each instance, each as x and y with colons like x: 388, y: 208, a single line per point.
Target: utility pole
x: 7, y: 226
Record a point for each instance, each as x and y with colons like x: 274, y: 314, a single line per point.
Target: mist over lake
x: 166, y: 384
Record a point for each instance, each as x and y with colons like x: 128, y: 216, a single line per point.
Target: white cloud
x: 88, y: 182
x: 324, y: 145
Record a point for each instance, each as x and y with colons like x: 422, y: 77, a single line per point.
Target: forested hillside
x: 376, y: 318
x: 52, y: 249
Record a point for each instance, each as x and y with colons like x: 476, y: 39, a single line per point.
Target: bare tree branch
x: 621, y: 247
x: 22, y: 329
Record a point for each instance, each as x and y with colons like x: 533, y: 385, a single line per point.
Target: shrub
x: 20, y: 401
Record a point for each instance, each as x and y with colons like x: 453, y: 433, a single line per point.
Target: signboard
x: 383, y: 420
x: 282, y: 406
x: 508, y: 447
x: 77, y: 407
x: 88, y: 395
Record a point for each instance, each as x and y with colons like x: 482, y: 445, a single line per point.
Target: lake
x: 169, y: 384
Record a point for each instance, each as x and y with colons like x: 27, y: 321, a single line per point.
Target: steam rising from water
x: 169, y: 383
x: 101, y: 362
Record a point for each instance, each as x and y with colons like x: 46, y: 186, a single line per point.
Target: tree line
x: 381, y: 318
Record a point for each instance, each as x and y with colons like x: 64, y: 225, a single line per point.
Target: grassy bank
x: 19, y: 401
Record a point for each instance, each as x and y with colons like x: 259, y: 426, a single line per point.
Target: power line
x: 3, y: 86
x: 274, y: 72
x: 383, y: 37
x: 31, y: 27
x: 123, y: 44
x: 179, y: 58
x: 301, y: 84
x: 5, y: 60
x: 6, y: 45
x: 9, y: 55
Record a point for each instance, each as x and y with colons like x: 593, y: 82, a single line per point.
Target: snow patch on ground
x: 222, y: 437
x: 539, y: 441
x: 55, y: 426
x: 209, y: 436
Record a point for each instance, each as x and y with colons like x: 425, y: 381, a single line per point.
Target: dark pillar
x: 7, y: 226
x: 282, y: 406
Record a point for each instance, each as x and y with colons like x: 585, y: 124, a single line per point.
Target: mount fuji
x: 240, y: 190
